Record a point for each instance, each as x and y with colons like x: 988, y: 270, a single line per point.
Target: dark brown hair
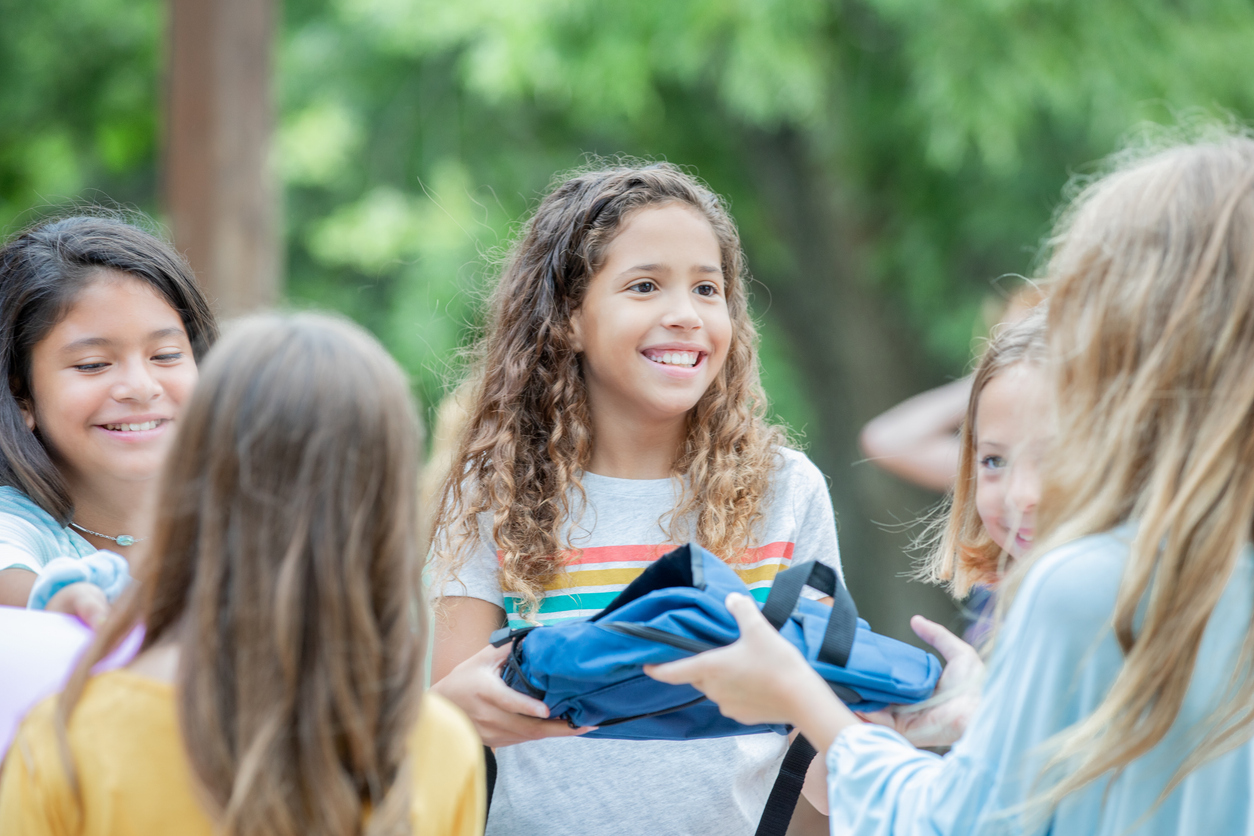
x: 285, y: 565
x: 42, y: 270
x: 529, y: 433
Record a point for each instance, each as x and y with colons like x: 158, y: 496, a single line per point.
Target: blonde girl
x: 992, y: 517
x: 278, y: 689
x: 990, y: 521
x: 1120, y: 690
x: 616, y: 411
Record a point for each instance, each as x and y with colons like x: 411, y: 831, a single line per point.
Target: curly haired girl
x: 616, y: 410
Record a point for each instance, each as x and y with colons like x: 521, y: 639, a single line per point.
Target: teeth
x: 676, y: 358
x: 147, y: 425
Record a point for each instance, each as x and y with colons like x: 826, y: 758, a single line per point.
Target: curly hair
x: 528, y: 435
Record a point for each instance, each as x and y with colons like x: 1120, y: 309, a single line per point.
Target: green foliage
x: 414, y: 136
x: 78, y: 90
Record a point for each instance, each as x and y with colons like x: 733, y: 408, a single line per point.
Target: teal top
x: 1054, y: 662
x: 30, y: 538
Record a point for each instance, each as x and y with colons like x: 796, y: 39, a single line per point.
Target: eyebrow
x: 657, y: 268
x: 99, y: 342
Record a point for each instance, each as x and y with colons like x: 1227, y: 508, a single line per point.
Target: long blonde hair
x: 1151, y: 346
x: 285, y: 565
x: 529, y: 433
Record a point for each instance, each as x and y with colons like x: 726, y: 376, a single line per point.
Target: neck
x: 629, y: 448
x: 114, y: 509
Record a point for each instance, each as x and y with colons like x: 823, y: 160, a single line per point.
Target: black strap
x: 783, y: 799
x: 489, y: 763
x: 843, y: 623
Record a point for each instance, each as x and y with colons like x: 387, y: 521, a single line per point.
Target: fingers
x: 746, y: 613
x: 85, y: 601
x: 683, y: 672
x: 949, y: 645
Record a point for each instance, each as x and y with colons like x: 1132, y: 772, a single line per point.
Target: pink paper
x: 38, y: 650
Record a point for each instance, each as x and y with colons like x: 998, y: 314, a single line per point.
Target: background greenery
x: 887, y: 161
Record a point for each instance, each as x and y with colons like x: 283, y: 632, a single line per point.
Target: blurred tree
x: 886, y: 160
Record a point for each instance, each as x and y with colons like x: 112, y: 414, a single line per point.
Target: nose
x: 681, y: 313
x: 135, y: 382
x: 1024, y: 490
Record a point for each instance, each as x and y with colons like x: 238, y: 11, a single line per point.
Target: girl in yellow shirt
x: 278, y: 688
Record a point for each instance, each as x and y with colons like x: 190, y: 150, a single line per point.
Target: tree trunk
x: 220, y: 187
x: 857, y: 359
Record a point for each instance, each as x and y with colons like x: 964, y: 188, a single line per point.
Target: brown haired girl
x: 278, y: 689
x: 1120, y: 695
x: 101, y: 328
x: 617, y: 409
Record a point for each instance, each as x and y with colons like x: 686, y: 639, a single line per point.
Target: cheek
x: 988, y: 504
x: 180, y: 386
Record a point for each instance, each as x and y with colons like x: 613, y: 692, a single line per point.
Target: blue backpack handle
x: 842, y: 626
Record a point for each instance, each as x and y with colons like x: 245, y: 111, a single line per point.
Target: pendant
x: 125, y: 540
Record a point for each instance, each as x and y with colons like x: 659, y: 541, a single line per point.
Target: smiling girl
x: 617, y: 411
x: 101, y: 326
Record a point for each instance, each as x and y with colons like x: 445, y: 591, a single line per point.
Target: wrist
x: 819, y: 713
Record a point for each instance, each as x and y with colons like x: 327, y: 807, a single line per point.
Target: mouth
x: 135, y: 428
x: 679, y: 359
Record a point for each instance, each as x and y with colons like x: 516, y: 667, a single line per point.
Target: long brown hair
x: 285, y: 566
x: 1151, y: 350
x: 965, y: 554
x: 529, y: 433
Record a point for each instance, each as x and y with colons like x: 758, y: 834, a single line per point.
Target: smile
x: 683, y: 359
x: 134, y: 428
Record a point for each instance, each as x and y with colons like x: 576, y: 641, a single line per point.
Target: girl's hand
x: 85, y: 601
x: 943, y: 718
x: 761, y: 678
x: 501, y: 715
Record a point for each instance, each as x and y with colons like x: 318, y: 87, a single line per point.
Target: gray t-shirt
x: 574, y: 786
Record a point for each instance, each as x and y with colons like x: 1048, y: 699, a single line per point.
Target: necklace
x: 121, y: 539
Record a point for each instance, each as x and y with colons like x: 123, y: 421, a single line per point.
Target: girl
x: 1119, y: 693
x: 990, y: 520
x: 617, y: 410
x: 101, y: 327
x: 278, y: 687
x: 998, y: 484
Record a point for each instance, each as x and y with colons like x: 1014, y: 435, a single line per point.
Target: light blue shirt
x: 30, y: 538
x: 1054, y: 662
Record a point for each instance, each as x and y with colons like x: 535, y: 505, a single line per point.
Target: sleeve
x: 1054, y: 663
x: 20, y: 544
x: 815, y: 535
x: 34, y: 798
x: 477, y: 576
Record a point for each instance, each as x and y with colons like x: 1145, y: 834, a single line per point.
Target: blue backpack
x: 590, y: 671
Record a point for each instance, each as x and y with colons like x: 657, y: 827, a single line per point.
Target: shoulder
x: 443, y: 728
x: 795, y: 471
x: 17, y: 510
x: 447, y: 759
x: 1072, y: 589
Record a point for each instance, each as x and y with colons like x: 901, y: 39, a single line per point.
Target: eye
x: 708, y: 289
x: 992, y: 462
x: 90, y: 367
x: 643, y: 287
x: 169, y: 357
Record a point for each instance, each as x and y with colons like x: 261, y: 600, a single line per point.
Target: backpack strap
x: 489, y: 773
x: 783, y: 799
x: 842, y: 626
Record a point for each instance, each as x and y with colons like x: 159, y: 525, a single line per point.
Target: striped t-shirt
x: 574, y: 786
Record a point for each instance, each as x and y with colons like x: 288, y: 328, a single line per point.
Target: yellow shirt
x: 136, y: 778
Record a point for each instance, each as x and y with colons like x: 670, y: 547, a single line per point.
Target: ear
x: 574, y: 331
x: 28, y: 414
